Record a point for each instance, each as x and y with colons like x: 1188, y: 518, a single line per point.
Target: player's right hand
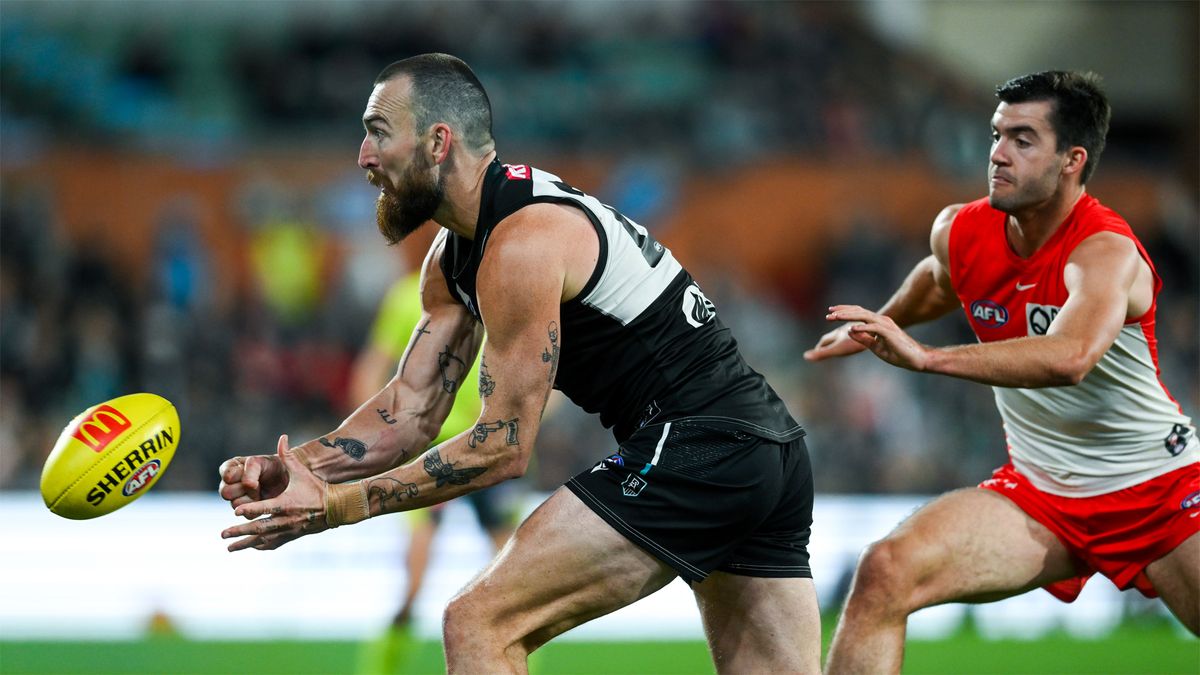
x: 836, y: 342
x: 252, y: 479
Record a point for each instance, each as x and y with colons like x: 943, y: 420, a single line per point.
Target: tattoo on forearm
x: 383, y: 414
x: 445, y: 472
x: 389, y: 492
x: 486, y: 384
x: 354, y: 448
x: 416, y: 338
x: 551, y: 355
x: 482, y: 430
x: 452, y: 369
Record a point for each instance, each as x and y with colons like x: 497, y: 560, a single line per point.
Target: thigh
x: 756, y: 624
x: 563, y: 566
x: 1176, y: 578
x: 975, y: 545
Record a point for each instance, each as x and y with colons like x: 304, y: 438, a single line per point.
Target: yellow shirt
x: 394, y: 325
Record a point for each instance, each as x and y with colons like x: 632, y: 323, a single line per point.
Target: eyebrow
x: 1015, y: 130
x: 374, y: 118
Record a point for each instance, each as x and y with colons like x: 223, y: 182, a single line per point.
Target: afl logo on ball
x: 696, y: 307
x: 141, y: 477
x: 989, y: 313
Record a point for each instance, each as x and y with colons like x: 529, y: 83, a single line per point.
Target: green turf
x: 1157, y: 649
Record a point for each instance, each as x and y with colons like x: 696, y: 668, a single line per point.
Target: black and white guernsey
x: 640, y: 343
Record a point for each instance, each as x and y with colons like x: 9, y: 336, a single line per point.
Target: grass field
x: 1150, y: 649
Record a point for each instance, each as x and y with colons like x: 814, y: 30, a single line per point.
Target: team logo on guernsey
x: 1039, y: 317
x: 989, y: 313
x: 697, y: 308
x: 517, y: 171
x: 1178, y: 439
x: 633, y: 485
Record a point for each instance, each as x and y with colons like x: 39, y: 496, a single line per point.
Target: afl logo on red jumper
x: 1190, y: 502
x: 989, y: 313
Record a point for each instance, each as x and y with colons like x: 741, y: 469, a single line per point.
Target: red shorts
x: 1116, y: 534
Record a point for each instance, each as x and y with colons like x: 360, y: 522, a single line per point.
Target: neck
x: 1029, y: 228
x: 459, y: 211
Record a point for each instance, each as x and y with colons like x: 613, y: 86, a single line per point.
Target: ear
x: 1077, y: 157
x: 441, y: 138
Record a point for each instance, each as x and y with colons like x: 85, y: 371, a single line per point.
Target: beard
x: 400, y: 211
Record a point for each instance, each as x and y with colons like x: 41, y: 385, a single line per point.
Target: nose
x: 998, y: 156
x: 367, y: 158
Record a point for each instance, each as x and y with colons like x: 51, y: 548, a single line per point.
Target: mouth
x: 378, y: 181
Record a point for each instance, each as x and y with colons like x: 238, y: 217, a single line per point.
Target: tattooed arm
x: 536, y: 259
x: 396, y: 423
x: 523, y: 279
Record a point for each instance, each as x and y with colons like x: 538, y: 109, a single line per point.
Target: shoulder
x: 946, y: 217
x: 434, y: 289
x: 939, y: 234
x: 1104, y: 248
x: 537, y: 230
x: 539, y: 244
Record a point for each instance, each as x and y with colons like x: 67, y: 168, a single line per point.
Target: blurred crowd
x: 270, y: 351
x: 713, y: 81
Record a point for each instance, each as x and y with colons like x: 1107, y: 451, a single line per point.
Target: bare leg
x: 760, y: 625
x: 1176, y: 577
x: 563, y: 566
x: 970, y: 545
x: 416, y: 561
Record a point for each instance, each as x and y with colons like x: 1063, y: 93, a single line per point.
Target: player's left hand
x: 298, y: 511
x: 882, y: 336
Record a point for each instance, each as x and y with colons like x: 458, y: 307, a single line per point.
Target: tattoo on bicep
x: 551, y: 354
x: 383, y: 414
x: 486, y: 384
x: 390, y: 492
x: 445, y: 472
x: 452, y: 369
x: 415, y: 339
x: 483, y: 429
x: 354, y: 448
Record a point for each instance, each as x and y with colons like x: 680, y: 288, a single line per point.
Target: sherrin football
x: 109, y: 455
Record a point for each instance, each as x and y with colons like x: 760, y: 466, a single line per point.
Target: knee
x: 473, y: 626
x: 884, y: 576
x: 462, y: 622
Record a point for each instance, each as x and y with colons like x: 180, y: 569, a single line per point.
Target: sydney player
x: 1103, y: 473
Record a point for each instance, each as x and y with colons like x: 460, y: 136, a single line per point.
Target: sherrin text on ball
x: 109, y: 455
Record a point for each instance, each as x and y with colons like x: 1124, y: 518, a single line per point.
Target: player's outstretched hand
x: 882, y: 336
x: 836, y: 342
x: 297, y: 511
x: 250, y: 479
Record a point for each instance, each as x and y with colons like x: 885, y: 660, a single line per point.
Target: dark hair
x: 445, y: 90
x: 1079, y: 113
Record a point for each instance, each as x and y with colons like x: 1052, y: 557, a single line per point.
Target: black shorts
x: 702, y: 497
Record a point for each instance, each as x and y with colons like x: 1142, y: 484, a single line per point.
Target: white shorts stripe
x: 658, y: 449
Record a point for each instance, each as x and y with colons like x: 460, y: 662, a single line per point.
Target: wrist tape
x: 346, y: 503
x: 302, y: 455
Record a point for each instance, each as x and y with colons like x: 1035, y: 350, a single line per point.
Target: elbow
x: 1071, y: 371
x: 512, y: 465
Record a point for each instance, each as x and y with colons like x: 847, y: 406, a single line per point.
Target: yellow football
x: 109, y: 455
